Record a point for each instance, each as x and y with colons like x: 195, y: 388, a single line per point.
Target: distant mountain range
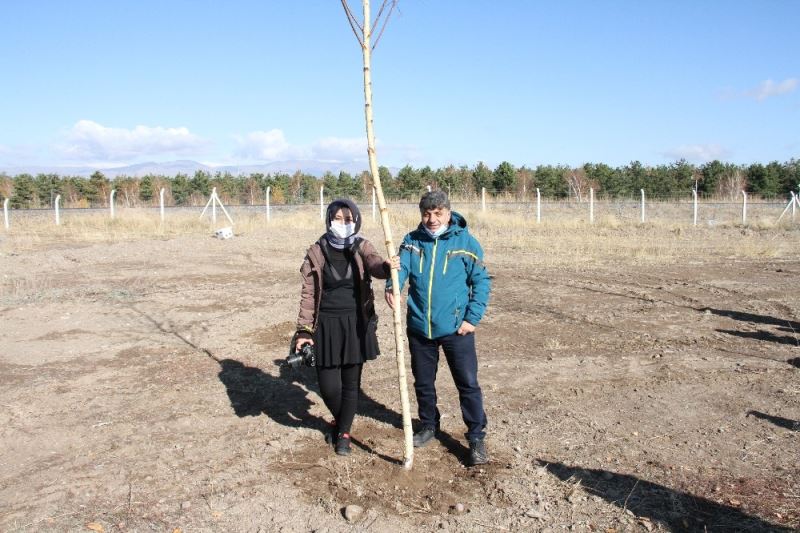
x: 172, y: 168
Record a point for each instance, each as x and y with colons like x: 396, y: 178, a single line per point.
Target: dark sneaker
x: 423, y: 437
x: 342, y: 444
x: 477, y: 453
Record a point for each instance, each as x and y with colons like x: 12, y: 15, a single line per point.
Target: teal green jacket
x: 447, y: 280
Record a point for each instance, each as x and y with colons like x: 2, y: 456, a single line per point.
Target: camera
x: 305, y: 356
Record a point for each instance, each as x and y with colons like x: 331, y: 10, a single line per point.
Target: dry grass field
x: 637, y: 377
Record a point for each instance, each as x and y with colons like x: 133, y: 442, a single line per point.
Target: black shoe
x: 477, y: 453
x: 423, y: 437
x: 343, y: 444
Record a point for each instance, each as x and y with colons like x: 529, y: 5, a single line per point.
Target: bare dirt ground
x: 631, y: 384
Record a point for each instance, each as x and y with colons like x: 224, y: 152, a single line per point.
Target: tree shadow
x: 794, y: 361
x: 757, y: 319
x: 761, y: 335
x: 676, y: 510
x: 454, y: 446
x: 786, y: 423
x: 370, y: 450
x: 380, y: 412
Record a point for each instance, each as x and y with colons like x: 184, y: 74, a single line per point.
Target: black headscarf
x: 333, y: 207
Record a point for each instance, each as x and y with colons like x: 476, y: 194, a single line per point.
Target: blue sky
x: 102, y: 83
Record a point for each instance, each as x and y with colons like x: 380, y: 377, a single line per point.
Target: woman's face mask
x: 342, y: 230
x: 342, y: 224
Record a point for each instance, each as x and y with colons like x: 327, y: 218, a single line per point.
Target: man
x: 447, y: 296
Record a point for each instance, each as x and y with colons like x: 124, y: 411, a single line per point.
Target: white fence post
x: 538, y: 206
x: 483, y: 199
x: 269, y: 190
x: 161, y: 202
x: 794, y: 202
x: 591, y: 206
x: 642, y: 206
x: 111, y: 201
x: 213, y: 201
x: 214, y: 205
x: 790, y: 205
x: 5, y: 212
x: 58, y: 214
x: 373, y: 204
x: 744, y: 208
x: 694, y: 198
x: 321, y: 203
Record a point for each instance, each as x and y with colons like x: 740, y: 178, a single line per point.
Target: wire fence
x: 686, y: 211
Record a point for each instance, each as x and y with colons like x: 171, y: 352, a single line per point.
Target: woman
x: 337, y: 313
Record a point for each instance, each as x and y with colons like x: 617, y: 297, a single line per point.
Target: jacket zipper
x: 430, y: 287
x: 446, y: 258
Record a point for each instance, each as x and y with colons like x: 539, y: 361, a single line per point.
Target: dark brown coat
x: 369, y: 264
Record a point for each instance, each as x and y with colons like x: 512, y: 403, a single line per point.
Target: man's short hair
x: 433, y: 200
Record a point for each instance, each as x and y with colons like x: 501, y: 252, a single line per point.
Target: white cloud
x: 272, y: 146
x: 769, y: 88
x: 697, y: 153
x: 265, y: 146
x: 90, y: 141
x: 340, y: 149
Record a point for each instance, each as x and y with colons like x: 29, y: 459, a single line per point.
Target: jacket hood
x: 339, y: 203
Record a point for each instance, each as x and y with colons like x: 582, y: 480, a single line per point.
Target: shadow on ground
x: 786, y: 423
x: 756, y: 319
x: 284, y: 398
x: 253, y: 392
x: 676, y: 510
x: 762, y: 335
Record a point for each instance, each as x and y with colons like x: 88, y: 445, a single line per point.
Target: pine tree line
x: 715, y: 179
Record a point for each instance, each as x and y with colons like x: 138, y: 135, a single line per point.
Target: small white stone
x: 353, y: 512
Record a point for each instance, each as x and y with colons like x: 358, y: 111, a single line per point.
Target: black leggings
x: 339, y: 387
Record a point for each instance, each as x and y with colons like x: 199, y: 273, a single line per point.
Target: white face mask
x: 342, y: 231
x: 441, y: 229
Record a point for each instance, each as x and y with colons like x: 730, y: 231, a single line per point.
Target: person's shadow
x: 761, y: 335
x: 783, y: 323
x: 284, y: 398
x: 253, y: 392
x: 786, y: 423
x: 674, y: 509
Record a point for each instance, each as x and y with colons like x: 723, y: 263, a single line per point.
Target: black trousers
x: 459, y: 350
x: 339, y: 387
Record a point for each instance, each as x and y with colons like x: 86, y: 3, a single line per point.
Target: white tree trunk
x: 408, y: 457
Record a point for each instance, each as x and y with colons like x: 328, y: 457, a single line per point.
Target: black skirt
x: 341, y: 340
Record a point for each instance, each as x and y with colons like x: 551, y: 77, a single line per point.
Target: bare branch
x: 353, y: 23
x: 378, y: 17
x: 385, y: 21
x: 353, y: 17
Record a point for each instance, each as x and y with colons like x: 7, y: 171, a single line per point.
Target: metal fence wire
x: 694, y: 210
